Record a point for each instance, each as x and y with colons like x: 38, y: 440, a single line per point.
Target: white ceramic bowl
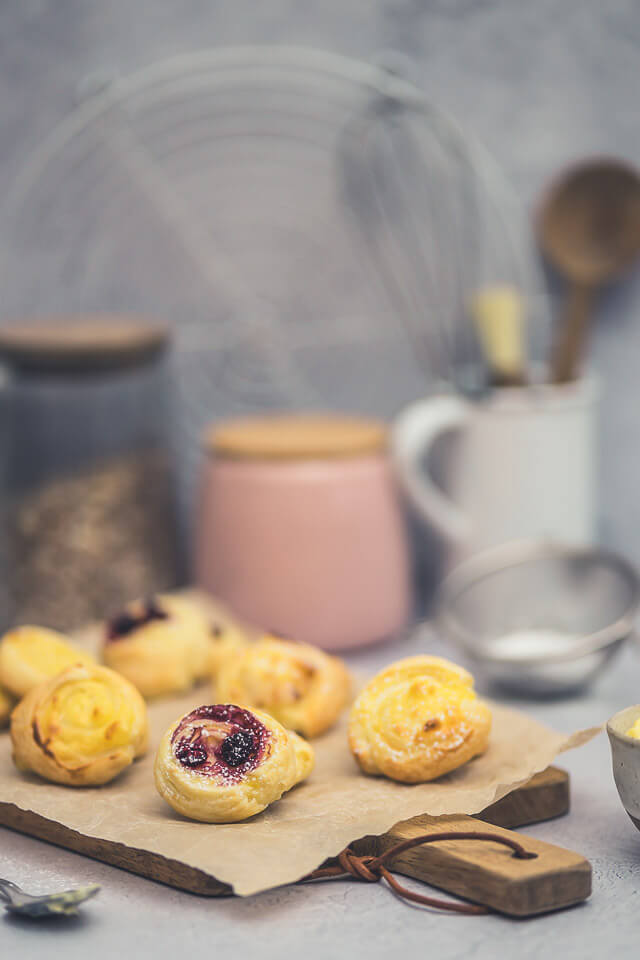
x: 625, y: 759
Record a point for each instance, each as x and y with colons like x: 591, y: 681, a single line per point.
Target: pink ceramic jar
x: 300, y: 530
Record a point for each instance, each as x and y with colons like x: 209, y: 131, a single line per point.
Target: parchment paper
x: 314, y: 821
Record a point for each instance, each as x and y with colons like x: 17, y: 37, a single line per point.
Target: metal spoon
x: 65, y: 903
x: 589, y: 229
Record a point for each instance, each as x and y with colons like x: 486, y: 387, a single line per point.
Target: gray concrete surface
x: 540, y: 83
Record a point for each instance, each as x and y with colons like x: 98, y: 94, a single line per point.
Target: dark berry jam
x: 237, y: 748
x: 220, y: 740
x: 126, y: 623
x: 191, y: 753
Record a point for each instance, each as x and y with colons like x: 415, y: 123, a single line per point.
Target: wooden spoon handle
x: 570, y: 345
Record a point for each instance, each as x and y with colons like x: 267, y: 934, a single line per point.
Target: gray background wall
x: 539, y: 83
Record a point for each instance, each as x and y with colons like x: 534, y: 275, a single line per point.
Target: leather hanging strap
x: 373, y: 869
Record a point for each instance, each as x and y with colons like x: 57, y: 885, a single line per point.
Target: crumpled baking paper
x: 315, y: 820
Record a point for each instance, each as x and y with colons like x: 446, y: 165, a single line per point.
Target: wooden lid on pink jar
x: 297, y: 437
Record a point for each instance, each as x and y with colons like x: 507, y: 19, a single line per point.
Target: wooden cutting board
x: 556, y: 878
x: 490, y: 875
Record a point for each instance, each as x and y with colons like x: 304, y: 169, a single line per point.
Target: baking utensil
x: 437, y: 222
x: 625, y: 760
x: 553, y: 880
x: 498, y: 313
x: 540, y: 618
x: 202, y: 189
x: 589, y: 229
x: 65, y: 903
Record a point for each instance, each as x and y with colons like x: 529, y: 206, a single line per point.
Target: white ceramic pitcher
x: 518, y: 464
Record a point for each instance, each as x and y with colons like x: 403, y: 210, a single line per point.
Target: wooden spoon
x: 589, y: 229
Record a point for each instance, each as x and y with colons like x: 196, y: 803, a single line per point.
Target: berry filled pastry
x: 301, y: 686
x: 161, y: 645
x: 417, y: 720
x: 222, y: 763
x: 80, y: 728
x: 30, y: 655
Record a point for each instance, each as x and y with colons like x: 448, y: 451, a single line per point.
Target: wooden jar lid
x: 303, y: 437
x: 81, y: 344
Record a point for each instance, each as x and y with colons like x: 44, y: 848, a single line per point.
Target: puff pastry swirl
x: 301, y: 686
x: 417, y: 720
x: 29, y: 655
x: 80, y: 728
x: 222, y: 763
x: 162, y: 645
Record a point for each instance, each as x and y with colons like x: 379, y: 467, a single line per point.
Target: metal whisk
x: 439, y: 224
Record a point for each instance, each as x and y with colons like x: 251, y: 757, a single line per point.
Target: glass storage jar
x: 91, y: 519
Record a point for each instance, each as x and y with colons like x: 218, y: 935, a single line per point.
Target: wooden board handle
x: 487, y: 874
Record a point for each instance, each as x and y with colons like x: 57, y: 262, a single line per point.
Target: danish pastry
x: 29, y: 655
x: 162, y: 645
x: 222, y: 763
x: 195, y: 630
x: 417, y: 720
x: 227, y: 639
x: 81, y: 727
x: 301, y: 686
x: 6, y: 706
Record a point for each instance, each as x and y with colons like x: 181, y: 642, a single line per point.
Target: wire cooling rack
x: 205, y: 190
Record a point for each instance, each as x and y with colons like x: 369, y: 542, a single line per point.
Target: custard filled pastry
x: 30, y: 655
x: 417, y: 720
x: 80, y: 728
x: 161, y: 645
x: 222, y: 763
x: 6, y: 706
x: 301, y: 686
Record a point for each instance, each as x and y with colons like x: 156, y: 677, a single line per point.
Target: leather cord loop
x: 373, y: 869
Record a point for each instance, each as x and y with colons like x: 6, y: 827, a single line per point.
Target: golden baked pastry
x: 223, y: 763
x: 6, y: 706
x: 436, y: 667
x: 30, y: 655
x: 81, y: 727
x: 195, y: 629
x: 227, y: 639
x: 417, y: 720
x: 301, y: 686
x: 162, y: 645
